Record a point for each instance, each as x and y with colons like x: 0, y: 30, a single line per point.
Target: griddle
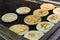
x: 11, y: 6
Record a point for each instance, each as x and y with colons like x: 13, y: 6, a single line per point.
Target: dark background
x: 56, y: 0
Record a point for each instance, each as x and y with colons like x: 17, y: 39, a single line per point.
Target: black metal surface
x: 12, y: 5
x: 1, y: 38
x: 56, y: 0
x: 56, y: 35
x: 58, y: 38
x: 1, y: 3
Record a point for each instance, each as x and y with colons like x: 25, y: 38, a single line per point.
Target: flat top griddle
x: 11, y: 6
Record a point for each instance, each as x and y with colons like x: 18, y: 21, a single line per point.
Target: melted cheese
x: 9, y: 17
x: 40, y: 12
x: 31, y: 19
x: 53, y: 18
x: 33, y: 35
x: 19, y: 28
x: 47, y: 6
x: 23, y: 10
